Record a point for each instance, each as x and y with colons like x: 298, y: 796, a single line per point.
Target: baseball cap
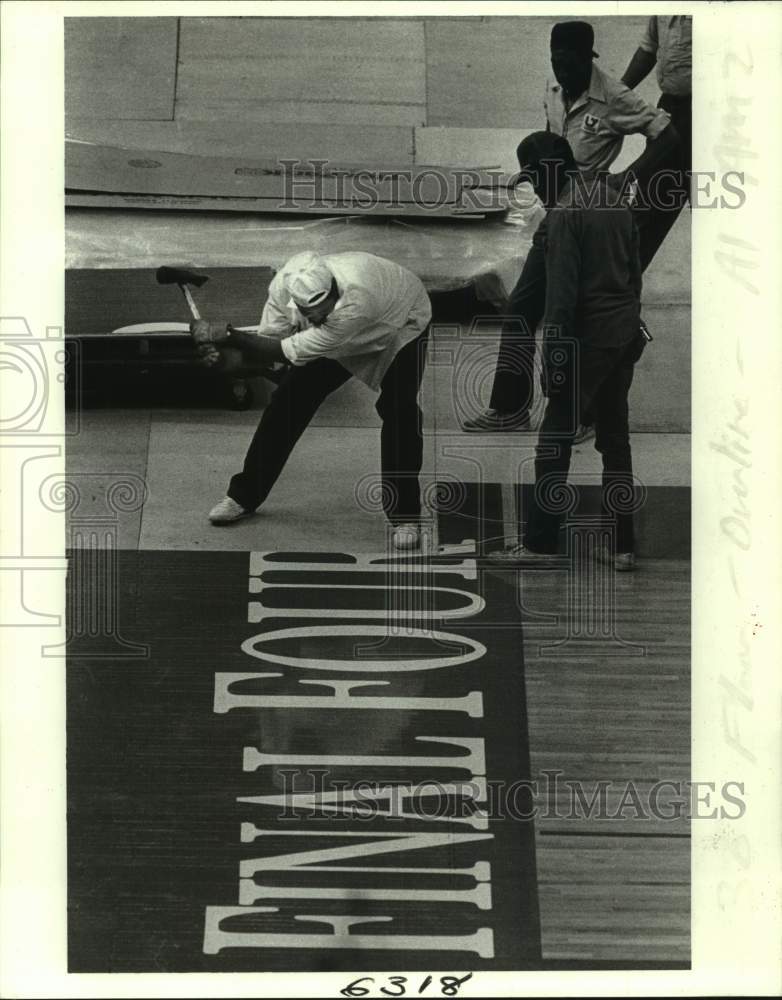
x: 308, y: 279
x: 541, y: 146
x: 546, y: 160
x: 575, y: 36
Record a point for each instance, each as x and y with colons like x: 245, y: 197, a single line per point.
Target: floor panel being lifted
x: 446, y: 254
x: 113, y: 177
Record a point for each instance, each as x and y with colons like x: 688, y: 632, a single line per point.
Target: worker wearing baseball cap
x: 308, y: 280
x: 593, y: 112
x: 332, y: 317
x: 589, y: 108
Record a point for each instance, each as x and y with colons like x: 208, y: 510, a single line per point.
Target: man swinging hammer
x: 333, y: 317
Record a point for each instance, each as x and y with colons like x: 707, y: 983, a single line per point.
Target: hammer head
x: 179, y: 276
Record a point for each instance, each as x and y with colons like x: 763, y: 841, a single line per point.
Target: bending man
x: 333, y: 317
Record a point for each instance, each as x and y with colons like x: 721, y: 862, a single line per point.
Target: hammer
x: 179, y: 276
x: 231, y: 358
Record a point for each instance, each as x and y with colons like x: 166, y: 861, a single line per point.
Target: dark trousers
x: 514, y: 387
x: 602, y: 387
x: 295, y: 402
x: 514, y: 384
x: 664, y: 192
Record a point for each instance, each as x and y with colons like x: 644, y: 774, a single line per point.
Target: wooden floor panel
x: 642, y: 923
x: 613, y: 882
x: 641, y: 860
x: 613, y: 886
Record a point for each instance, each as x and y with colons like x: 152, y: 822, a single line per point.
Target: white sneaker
x: 518, y: 555
x: 623, y: 562
x: 227, y: 511
x: 406, y: 536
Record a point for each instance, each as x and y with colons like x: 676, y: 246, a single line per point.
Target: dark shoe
x: 493, y: 420
x: 518, y: 555
x: 623, y: 562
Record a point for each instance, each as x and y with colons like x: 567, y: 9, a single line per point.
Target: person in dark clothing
x: 544, y: 159
x: 666, y: 42
x: 594, y: 111
x: 592, y: 339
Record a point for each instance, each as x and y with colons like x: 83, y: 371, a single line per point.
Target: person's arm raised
x: 640, y: 66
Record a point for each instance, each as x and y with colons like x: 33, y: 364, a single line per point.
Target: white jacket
x: 381, y: 308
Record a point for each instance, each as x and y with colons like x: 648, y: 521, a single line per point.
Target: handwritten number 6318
x: 397, y: 986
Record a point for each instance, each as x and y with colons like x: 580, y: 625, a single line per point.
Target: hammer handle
x: 191, y: 302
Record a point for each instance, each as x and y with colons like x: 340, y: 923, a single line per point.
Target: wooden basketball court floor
x: 609, y: 706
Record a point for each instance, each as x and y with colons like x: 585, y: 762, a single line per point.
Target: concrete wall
x: 363, y: 87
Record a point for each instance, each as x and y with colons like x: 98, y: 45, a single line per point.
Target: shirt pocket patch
x: 591, y: 124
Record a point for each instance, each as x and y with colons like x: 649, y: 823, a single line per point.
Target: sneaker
x: 584, y: 433
x: 623, y: 562
x: 406, y: 536
x: 518, y: 555
x: 493, y: 420
x: 227, y: 511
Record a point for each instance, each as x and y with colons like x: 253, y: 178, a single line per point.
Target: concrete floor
x: 185, y: 459
x: 594, y: 713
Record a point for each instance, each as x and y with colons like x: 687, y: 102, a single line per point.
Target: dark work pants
x: 602, y: 389
x: 514, y: 384
x: 663, y: 194
x: 295, y: 402
x: 513, y: 389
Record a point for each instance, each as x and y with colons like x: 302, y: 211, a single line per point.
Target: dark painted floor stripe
x: 154, y: 776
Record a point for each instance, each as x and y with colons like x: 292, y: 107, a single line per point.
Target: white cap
x: 308, y: 279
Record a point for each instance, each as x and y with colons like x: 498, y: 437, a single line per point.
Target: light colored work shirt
x: 381, y: 308
x: 669, y: 39
x: 597, y: 121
